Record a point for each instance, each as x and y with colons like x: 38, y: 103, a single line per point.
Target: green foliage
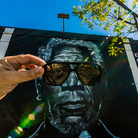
x: 107, y: 13
x: 114, y: 50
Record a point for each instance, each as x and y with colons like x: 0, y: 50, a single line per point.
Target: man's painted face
x: 73, y: 110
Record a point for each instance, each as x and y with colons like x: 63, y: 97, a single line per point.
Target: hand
x: 13, y: 71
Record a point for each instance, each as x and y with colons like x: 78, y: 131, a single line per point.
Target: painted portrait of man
x: 77, y: 84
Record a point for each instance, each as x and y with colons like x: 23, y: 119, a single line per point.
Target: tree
x: 107, y: 13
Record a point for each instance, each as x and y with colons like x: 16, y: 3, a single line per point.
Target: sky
x: 43, y: 14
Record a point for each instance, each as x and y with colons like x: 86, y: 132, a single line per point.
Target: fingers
x: 21, y: 62
x: 18, y: 61
x: 30, y: 66
x: 27, y: 75
x: 29, y: 59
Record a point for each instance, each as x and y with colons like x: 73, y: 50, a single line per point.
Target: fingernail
x: 39, y: 70
x: 48, y: 68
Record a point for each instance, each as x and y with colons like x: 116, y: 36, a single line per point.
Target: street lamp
x: 64, y: 16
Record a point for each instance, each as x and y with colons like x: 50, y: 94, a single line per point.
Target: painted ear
x: 40, y: 87
x: 37, y: 90
x: 97, y: 106
x: 100, y: 91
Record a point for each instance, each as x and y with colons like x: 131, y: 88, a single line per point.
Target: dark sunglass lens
x: 57, y: 74
x: 89, y: 74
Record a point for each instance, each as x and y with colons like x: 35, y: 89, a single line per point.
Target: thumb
x: 23, y: 76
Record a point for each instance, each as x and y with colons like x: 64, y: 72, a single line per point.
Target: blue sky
x: 42, y: 14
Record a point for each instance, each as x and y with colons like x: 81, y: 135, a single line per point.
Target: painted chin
x: 73, y: 119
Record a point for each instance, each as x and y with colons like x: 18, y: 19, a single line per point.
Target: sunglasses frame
x: 70, y: 70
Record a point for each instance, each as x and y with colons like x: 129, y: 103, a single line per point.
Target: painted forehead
x: 69, y: 54
x: 48, y: 50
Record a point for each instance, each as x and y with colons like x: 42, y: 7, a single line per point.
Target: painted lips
x: 73, y: 109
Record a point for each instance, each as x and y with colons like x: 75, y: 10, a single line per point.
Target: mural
x: 86, y: 92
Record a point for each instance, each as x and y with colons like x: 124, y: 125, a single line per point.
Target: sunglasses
x: 88, y: 73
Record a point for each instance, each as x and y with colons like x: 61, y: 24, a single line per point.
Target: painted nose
x: 72, y: 83
x: 73, y: 79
